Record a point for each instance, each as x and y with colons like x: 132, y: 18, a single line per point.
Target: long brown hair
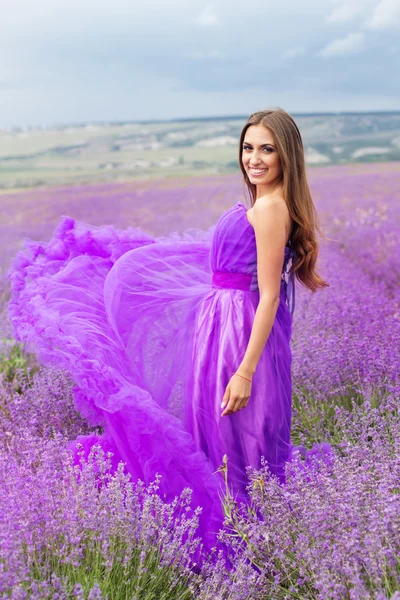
x: 295, y: 190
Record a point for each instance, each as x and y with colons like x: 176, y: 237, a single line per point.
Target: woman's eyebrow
x: 262, y: 145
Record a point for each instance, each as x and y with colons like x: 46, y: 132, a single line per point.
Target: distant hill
x: 97, y: 152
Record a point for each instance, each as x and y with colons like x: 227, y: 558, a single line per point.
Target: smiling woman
x: 180, y: 346
x: 271, y: 158
x: 260, y: 159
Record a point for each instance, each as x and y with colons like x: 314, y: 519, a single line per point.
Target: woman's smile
x: 257, y: 172
x: 261, y: 160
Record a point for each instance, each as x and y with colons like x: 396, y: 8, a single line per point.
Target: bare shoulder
x: 270, y: 207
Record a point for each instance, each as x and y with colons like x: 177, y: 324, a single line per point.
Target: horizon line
x: 198, y: 118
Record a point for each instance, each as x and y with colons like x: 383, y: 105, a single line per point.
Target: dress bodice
x: 234, y: 249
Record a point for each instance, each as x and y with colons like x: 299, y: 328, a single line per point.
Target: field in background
x: 101, y: 152
x: 341, y: 536
x: 160, y: 206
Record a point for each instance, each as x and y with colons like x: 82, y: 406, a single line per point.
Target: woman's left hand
x: 236, y: 395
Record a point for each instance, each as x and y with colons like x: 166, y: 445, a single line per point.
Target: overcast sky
x: 70, y: 61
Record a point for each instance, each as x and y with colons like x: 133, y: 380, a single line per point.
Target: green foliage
x: 131, y: 573
x: 316, y: 421
x: 14, y: 359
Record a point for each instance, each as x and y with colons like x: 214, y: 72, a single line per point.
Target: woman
x: 180, y: 346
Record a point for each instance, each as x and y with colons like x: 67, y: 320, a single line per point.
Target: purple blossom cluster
x: 346, y: 338
x: 332, y: 532
x: 62, y: 525
x: 43, y: 402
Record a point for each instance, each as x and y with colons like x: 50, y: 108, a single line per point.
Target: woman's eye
x: 268, y: 149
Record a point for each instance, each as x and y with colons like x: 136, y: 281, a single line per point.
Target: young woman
x: 179, y: 347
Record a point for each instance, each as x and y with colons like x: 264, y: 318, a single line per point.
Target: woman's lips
x: 257, y: 172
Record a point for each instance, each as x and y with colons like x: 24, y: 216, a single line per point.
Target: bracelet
x: 242, y: 376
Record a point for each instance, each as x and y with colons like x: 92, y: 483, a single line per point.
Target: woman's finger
x: 225, y: 398
x: 230, y: 408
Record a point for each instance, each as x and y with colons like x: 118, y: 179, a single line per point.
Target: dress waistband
x: 227, y: 279
x: 242, y: 281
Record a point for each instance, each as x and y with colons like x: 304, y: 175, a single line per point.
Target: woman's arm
x: 270, y: 220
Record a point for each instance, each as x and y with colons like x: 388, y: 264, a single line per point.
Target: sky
x: 82, y: 61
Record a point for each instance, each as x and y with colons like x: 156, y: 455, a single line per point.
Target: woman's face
x: 260, y: 158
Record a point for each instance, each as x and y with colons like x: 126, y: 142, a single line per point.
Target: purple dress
x: 151, y: 330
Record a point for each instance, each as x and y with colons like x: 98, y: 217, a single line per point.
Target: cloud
x: 93, y: 59
x: 293, y: 52
x: 386, y: 14
x: 208, y: 16
x: 205, y: 55
x: 351, y: 44
x: 376, y: 14
x: 343, y: 13
x: 12, y: 85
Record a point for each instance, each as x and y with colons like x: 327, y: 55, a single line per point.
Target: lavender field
x: 333, y: 532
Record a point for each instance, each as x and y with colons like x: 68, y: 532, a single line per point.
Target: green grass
x: 316, y: 421
x: 131, y: 574
x: 14, y: 360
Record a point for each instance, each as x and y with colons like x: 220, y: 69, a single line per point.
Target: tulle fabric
x: 151, y: 330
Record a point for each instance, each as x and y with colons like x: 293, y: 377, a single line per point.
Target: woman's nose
x: 254, y: 158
